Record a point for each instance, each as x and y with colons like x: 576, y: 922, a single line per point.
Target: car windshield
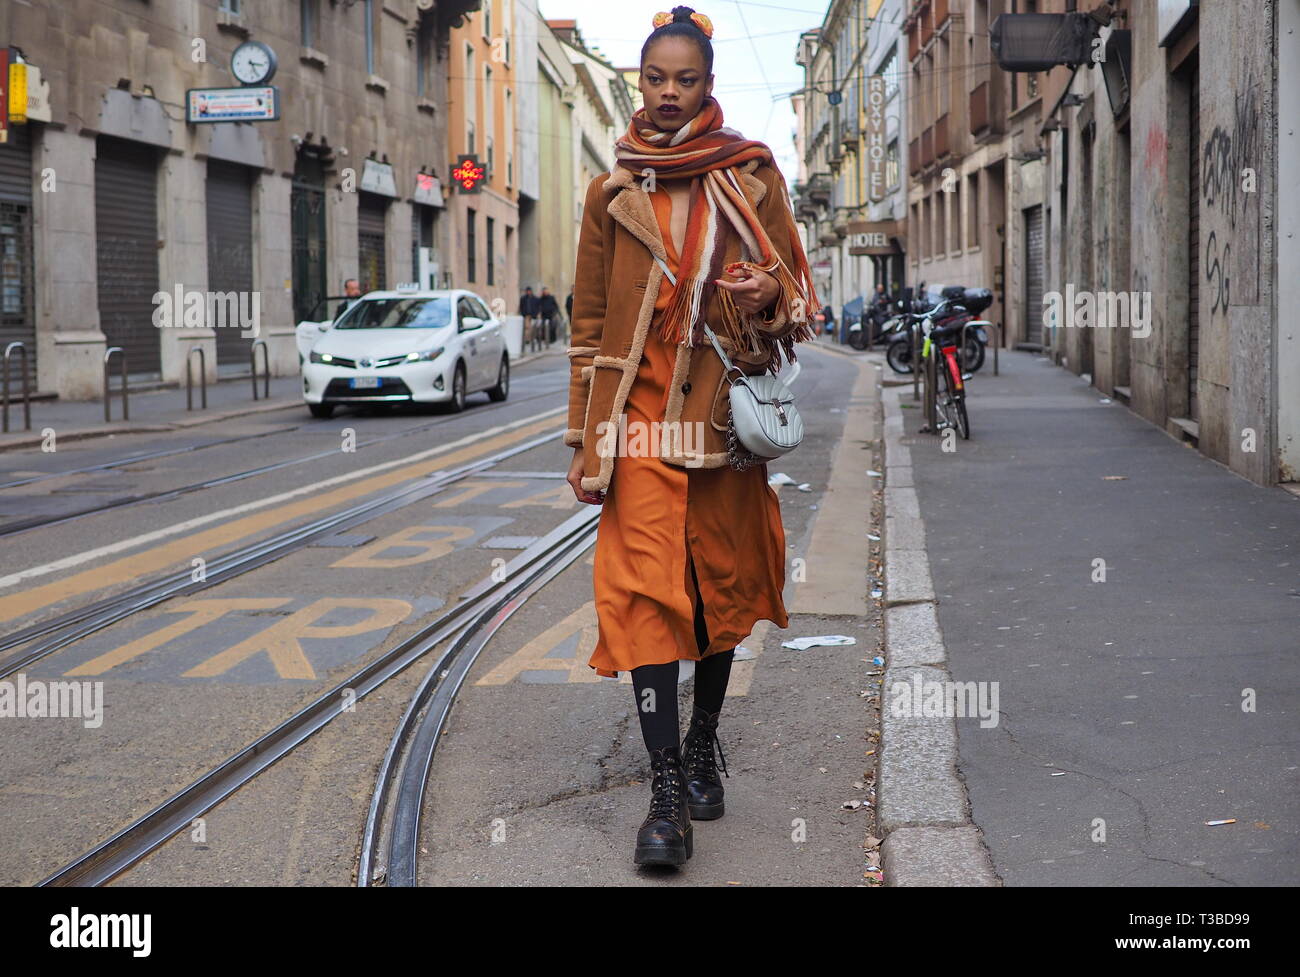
x: 412, y: 313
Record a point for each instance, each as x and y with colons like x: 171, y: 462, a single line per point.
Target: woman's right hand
x: 574, y: 479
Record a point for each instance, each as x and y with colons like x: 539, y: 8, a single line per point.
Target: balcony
x: 979, y: 107
x: 849, y: 137
x: 941, y: 148
x: 914, y: 157
x: 927, y: 147
x: 819, y: 189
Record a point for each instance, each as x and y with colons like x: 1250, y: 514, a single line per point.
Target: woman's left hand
x: 755, y: 290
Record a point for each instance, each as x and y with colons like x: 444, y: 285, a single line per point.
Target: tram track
x: 391, y: 838
x: 64, y: 629
x: 14, y: 528
x: 476, y: 615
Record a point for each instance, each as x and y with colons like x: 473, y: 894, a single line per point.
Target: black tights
x: 656, y: 687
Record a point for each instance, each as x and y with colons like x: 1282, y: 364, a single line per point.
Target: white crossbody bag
x: 764, y: 423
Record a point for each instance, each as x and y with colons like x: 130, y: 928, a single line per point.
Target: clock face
x: 253, y: 63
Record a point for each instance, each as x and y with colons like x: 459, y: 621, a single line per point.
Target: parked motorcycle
x: 959, y: 307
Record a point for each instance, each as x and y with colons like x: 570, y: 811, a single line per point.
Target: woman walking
x: 692, y: 226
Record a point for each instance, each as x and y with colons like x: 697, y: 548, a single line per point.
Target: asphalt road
x: 552, y: 753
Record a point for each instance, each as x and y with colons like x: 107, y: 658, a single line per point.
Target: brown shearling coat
x: 616, y: 284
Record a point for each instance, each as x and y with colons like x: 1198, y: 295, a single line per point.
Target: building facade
x: 1166, y: 160
x: 852, y: 125
x: 126, y: 201
x: 482, y: 123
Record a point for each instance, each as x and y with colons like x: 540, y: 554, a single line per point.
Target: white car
x: 407, y: 346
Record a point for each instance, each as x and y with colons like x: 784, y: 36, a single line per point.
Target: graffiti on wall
x: 1231, y: 158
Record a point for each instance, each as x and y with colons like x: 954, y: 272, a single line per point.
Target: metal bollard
x: 189, y: 377
x: 266, y: 367
x: 126, y: 405
x: 998, y: 327
x: 914, y: 340
x: 27, y: 394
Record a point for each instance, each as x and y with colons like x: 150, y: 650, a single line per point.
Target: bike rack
x: 931, y: 389
x: 266, y: 367
x: 189, y: 377
x: 914, y: 338
x: 126, y: 405
x: 27, y: 394
x: 995, y: 345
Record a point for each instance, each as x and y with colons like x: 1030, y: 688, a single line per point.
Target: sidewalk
x: 161, y: 410
x: 1137, y: 606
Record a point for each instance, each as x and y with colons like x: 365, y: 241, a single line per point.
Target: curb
x: 922, y: 806
x: 31, y: 440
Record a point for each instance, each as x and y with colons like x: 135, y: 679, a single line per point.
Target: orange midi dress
x: 663, y: 528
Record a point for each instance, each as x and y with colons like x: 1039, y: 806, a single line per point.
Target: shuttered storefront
x: 1034, y: 274
x: 17, y: 318
x: 373, y: 270
x: 230, y: 251
x: 126, y: 249
x: 1194, y: 244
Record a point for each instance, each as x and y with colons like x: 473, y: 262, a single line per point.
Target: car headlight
x: 321, y: 357
x: 428, y: 354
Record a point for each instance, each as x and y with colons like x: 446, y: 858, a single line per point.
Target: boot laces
x: 701, y: 741
x: 666, y: 786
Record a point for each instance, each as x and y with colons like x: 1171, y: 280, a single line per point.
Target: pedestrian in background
x: 528, y: 304
x: 828, y: 317
x: 351, y: 292
x: 690, y: 550
x: 549, y: 312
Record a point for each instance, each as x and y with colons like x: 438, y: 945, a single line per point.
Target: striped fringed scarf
x: 707, y: 151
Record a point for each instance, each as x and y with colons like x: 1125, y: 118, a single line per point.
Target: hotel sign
x: 874, y: 237
x: 875, y: 133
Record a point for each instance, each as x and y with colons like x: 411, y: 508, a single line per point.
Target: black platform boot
x: 703, y: 788
x: 665, y: 835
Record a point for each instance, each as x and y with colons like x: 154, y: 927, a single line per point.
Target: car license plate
x: 360, y: 383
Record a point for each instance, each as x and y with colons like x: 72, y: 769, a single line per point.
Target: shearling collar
x: 632, y: 208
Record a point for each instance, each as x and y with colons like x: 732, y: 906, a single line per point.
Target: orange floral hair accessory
x: 701, y: 21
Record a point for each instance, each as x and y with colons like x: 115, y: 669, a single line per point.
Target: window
x: 231, y: 6
x: 941, y: 207
x: 410, y: 313
x: 508, y: 122
x: 423, y: 58
x: 487, y: 18
x: 889, y: 68
x: 370, y: 37
x: 471, y: 97
x: 491, y: 256
x: 891, y: 165
x: 973, y: 208
x: 471, y: 271
x: 954, y: 208
x: 471, y: 144
x: 480, y: 309
x: 915, y: 231
x: 310, y: 10
x: 465, y: 308
x: 491, y: 159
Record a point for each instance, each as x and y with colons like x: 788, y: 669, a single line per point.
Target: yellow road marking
x: 473, y: 488
x: 532, y: 656
x: 179, y: 552
x: 280, y: 640
x: 199, y: 613
x: 431, y: 549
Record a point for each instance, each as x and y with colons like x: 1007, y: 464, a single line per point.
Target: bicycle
x: 949, y: 388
